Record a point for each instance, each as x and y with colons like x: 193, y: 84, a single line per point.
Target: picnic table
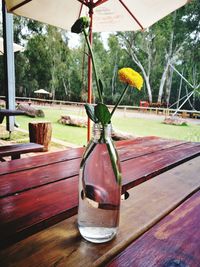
x: 9, y: 112
x: 15, y: 150
x: 159, y: 221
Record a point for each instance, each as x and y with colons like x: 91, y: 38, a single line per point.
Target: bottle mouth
x: 98, y: 129
x: 99, y: 126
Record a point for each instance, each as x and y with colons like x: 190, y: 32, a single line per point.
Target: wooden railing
x: 157, y: 110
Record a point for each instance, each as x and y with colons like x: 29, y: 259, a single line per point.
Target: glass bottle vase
x: 99, y: 187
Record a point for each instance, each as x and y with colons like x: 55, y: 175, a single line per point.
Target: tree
x: 140, y: 47
x: 49, y: 63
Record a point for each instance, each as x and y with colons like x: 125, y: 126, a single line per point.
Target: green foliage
x: 49, y: 63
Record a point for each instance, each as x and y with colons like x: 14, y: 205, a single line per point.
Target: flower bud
x: 80, y: 24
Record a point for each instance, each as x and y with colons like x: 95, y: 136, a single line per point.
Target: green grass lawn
x: 144, y: 127
x: 135, y: 126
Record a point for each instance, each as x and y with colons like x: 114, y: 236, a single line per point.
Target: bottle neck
x: 100, y: 132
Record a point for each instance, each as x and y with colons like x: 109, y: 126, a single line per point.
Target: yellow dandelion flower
x: 133, y: 78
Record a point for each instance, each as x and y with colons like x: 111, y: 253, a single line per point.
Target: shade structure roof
x: 16, y: 47
x: 41, y: 91
x: 109, y: 15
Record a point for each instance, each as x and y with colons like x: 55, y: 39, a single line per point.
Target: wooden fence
x: 156, y: 110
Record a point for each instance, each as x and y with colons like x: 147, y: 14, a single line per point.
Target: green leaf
x: 101, y: 86
x: 90, y: 112
x: 102, y: 113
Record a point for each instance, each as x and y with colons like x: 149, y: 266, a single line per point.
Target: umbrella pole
x: 90, y: 72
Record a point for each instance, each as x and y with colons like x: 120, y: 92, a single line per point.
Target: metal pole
x: 90, y: 69
x: 179, y: 91
x: 9, y: 69
x: 189, y: 95
x: 181, y: 75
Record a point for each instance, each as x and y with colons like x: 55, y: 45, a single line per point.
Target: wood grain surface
x: 40, y: 160
x: 61, y: 244
x: 174, y: 241
x: 139, y: 146
x: 46, y: 191
x: 18, y: 149
x: 133, y: 170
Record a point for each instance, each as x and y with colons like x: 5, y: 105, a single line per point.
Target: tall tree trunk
x: 169, y: 85
x: 146, y: 78
x: 149, y: 90
x: 133, y: 51
x: 113, y: 86
x: 162, y: 83
x: 146, y: 73
x: 53, y: 82
x: 168, y: 58
x: 65, y: 86
x: 179, y: 91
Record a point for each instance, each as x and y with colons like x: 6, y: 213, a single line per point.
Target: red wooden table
x: 41, y: 193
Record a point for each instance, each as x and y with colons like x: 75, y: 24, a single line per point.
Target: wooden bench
x: 7, y: 112
x: 174, y: 241
x: 14, y: 151
x: 195, y: 115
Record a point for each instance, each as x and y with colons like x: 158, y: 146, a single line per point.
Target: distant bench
x: 7, y: 112
x: 15, y: 151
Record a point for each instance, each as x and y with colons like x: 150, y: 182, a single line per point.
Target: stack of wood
x: 31, y: 111
x: 40, y: 132
x: 82, y: 122
x: 118, y: 135
x: 175, y: 120
x: 73, y: 121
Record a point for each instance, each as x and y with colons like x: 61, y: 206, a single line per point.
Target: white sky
x: 74, y: 39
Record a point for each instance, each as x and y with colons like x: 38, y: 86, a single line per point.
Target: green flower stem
x: 84, y: 158
x: 113, y: 162
x: 94, y: 65
x: 119, y: 100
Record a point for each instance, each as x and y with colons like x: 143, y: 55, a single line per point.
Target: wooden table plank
x: 28, y: 212
x: 127, y: 149
x: 22, y: 212
x: 39, y: 161
x: 18, y: 149
x: 145, y: 146
x: 61, y: 244
x: 133, y: 170
x: 22, y: 181
x: 174, y: 241
x: 157, y: 163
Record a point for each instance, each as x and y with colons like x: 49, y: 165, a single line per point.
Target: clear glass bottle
x: 99, y: 188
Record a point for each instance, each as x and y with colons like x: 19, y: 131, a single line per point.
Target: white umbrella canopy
x: 105, y: 15
x: 108, y: 15
x: 16, y: 47
x: 42, y: 91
